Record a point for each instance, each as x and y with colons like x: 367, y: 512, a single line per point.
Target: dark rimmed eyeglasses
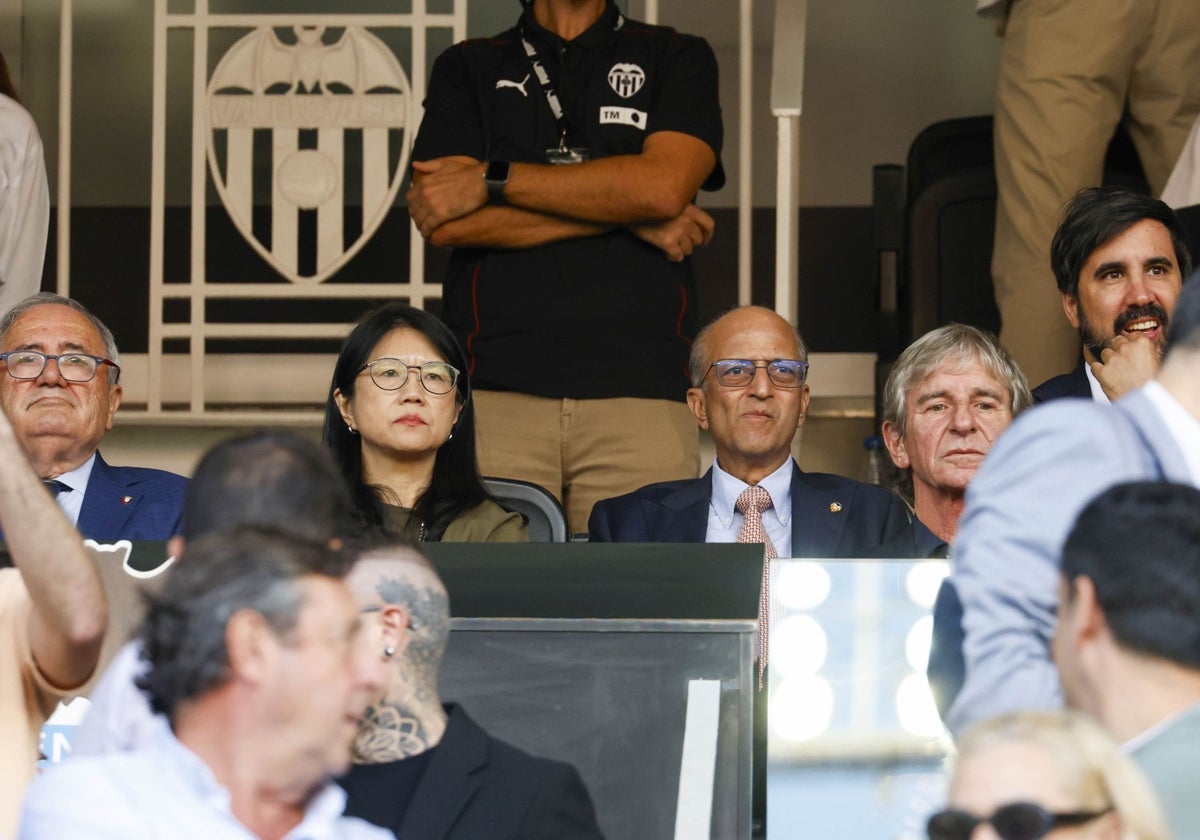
x: 1016, y: 821
x: 73, y: 367
x: 391, y: 374
x: 738, y: 373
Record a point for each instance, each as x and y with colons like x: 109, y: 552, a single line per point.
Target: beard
x: 1096, y: 344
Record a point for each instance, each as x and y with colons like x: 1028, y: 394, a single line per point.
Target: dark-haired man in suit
x: 1119, y: 258
x: 748, y: 371
x: 61, y: 391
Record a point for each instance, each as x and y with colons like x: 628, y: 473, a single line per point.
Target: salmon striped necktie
x: 751, y: 504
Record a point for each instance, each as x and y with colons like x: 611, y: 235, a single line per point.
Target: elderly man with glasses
x: 60, y: 390
x: 748, y: 371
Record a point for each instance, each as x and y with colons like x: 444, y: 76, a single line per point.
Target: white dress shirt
x: 70, y: 501
x: 724, y: 520
x: 164, y: 790
x: 1184, y: 428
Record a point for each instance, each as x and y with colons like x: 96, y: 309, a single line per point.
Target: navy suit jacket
x: 131, y: 503
x: 1073, y: 384
x: 477, y: 787
x: 831, y: 516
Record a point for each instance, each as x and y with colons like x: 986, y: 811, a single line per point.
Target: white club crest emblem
x: 626, y: 79
x: 303, y: 131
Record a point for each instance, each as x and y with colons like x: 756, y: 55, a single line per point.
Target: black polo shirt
x: 594, y: 317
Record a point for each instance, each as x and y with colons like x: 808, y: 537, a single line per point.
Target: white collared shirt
x: 164, y: 790
x: 1097, y: 392
x: 724, y: 521
x: 1184, y: 428
x: 71, y: 501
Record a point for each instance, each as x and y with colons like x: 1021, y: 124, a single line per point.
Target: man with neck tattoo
x: 426, y: 770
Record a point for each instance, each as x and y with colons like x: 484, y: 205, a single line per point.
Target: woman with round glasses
x: 400, y: 422
x: 1052, y: 774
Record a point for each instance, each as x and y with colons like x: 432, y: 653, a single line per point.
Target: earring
x: 450, y: 438
x: 351, y: 429
x: 389, y: 652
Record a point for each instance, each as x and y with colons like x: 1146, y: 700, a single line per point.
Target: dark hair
x: 1139, y: 544
x: 1097, y: 215
x: 456, y: 486
x: 269, y: 479
x: 1183, y: 332
x: 183, y: 634
x: 6, y: 83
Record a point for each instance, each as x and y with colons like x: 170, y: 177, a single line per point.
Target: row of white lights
x: 799, y: 647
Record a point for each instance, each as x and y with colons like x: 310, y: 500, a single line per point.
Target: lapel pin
x: 127, y: 499
x: 835, y: 507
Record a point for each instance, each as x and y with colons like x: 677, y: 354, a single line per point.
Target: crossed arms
x: 650, y: 194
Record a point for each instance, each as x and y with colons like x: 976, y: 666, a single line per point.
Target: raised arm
x: 70, y: 612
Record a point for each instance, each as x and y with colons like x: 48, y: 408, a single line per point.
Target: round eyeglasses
x: 1016, y: 821
x: 738, y: 373
x: 73, y: 367
x: 391, y: 374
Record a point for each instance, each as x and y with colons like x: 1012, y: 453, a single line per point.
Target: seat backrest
x: 545, y: 516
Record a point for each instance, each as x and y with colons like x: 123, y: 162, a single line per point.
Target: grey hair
x: 52, y: 299
x: 183, y: 634
x: 698, y: 359
x: 954, y: 343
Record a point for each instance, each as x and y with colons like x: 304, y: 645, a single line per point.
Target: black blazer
x: 477, y: 787
x: 1073, y: 384
x: 831, y: 516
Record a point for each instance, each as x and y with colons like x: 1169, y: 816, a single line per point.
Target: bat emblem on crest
x: 296, y: 120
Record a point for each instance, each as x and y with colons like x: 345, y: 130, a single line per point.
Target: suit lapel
x: 108, y: 503
x: 681, y: 516
x: 816, y: 529
x: 450, y: 780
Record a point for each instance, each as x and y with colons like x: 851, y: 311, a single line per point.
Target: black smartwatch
x: 496, y: 176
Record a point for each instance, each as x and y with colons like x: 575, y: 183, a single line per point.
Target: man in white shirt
x: 259, y: 662
x: 1050, y: 463
x: 1128, y: 639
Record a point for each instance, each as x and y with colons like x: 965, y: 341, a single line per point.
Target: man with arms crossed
x: 560, y: 160
x: 1025, y: 499
x: 52, y: 618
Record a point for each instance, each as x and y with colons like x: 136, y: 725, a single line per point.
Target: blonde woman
x: 1051, y: 774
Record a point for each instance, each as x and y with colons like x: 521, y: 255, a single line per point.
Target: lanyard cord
x: 560, y: 118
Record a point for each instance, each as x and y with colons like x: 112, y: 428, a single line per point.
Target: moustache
x: 1137, y: 313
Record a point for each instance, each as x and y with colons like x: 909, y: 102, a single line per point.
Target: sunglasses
x: 1017, y: 821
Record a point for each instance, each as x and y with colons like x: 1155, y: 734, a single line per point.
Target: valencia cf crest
x: 626, y: 79
x: 310, y: 125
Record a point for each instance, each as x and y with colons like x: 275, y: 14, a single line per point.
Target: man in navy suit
x: 1119, y: 258
x: 1021, y: 505
x: 61, y: 390
x: 748, y: 372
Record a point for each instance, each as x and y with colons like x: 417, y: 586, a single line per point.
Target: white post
x: 65, y: 54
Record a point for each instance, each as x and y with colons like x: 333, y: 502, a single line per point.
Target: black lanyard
x: 560, y: 118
